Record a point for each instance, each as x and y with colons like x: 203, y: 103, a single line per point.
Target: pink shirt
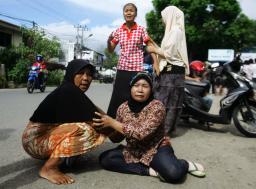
x: 131, y: 47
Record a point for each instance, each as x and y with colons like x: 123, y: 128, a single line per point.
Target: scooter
x: 35, y: 80
x: 238, y: 104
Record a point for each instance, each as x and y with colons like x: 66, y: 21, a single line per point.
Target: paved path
x: 229, y: 158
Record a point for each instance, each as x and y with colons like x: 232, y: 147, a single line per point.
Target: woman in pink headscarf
x: 172, y: 67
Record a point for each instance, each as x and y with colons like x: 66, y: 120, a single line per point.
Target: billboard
x: 221, y: 55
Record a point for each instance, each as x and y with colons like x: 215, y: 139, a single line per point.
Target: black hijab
x: 75, y: 66
x: 134, y: 105
x: 67, y: 103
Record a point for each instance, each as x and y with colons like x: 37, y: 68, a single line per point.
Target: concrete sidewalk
x: 229, y: 157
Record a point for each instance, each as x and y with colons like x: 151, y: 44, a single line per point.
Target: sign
x: 221, y: 55
x: 247, y: 56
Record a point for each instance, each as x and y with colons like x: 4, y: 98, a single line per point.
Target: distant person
x: 42, y: 69
x: 249, y: 69
x: 173, y: 65
x: 254, y: 71
x: 197, y: 71
x: 60, y: 128
x: 148, y: 150
x: 131, y: 37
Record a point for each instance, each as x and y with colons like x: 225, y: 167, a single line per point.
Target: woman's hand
x: 111, y: 46
x: 103, y: 121
x: 106, y: 121
x: 110, y: 38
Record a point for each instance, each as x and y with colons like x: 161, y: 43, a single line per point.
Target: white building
x: 68, y: 52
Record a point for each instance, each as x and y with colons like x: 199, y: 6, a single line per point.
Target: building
x: 68, y: 52
x: 10, y: 34
x: 93, y: 56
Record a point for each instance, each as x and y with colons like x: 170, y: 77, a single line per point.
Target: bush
x: 55, y: 77
x: 19, y: 73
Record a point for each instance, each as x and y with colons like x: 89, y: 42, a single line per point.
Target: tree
x: 209, y: 24
x: 18, y: 59
x: 111, y: 59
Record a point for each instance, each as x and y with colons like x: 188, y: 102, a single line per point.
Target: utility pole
x: 79, y: 44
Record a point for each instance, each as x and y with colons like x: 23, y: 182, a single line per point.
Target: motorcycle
x: 35, y: 80
x: 238, y: 104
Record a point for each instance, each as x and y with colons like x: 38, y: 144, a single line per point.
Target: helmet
x: 197, y: 67
x: 39, y: 58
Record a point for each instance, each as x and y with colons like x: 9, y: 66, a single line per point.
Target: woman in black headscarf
x: 61, y: 125
x: 148, y: 150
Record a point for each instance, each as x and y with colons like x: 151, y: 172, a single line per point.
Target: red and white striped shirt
x: 131, y: 47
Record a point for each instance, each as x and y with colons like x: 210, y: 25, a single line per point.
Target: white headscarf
x: 173, y: 45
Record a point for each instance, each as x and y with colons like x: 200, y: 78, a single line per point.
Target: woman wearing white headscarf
x: 172, y: 67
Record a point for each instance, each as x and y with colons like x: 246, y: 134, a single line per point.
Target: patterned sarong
x: 44, y: 141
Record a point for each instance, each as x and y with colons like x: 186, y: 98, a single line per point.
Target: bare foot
x: 55, y: 176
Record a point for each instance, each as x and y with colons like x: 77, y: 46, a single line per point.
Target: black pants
x: 170, y: 168
x: 121, y: 90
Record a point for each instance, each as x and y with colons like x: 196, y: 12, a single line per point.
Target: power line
x: 52, y: 10
x: 44, y: 9
x: 35, y: 7
x: 21, y: 19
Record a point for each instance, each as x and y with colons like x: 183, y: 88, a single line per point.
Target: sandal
x: 196, y: 170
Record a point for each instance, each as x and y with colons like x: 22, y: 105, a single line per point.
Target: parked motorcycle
x: 35, y: 80
x: 238, y: 104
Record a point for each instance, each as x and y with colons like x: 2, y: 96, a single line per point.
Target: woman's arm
x: 151, y: 43
x: 169, y: 48
x: 138, y: 129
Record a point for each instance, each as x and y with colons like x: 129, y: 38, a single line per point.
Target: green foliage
x: 19, y: 73
x: 3, y: 82
x: 18, y: 59
x: 209, y: 24
x: 8, y: 56
x: 111, y: 59
x: 55, y: 77
x: 39, y: 44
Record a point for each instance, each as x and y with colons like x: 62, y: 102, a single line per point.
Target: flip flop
x: 196, y: 171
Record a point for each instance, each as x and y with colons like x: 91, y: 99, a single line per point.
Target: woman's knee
x: 109, y: 159
x: 104, y: 159
x: 174, y: 175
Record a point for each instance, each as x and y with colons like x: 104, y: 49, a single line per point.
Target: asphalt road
x: 229, y: 157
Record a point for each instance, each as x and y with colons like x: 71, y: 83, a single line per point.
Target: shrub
x: 55, y: 77
x: 3, y: 82
x: 19, y: 73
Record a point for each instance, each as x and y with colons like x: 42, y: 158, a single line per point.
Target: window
x: 5, y: 39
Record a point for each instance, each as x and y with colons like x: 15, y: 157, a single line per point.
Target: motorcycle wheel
x: 42, y: 88
x: 245, y: 121
x: 30, y: 86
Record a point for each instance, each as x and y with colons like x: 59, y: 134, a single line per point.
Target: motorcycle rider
x: 42, y: 70
x: 197, y: 72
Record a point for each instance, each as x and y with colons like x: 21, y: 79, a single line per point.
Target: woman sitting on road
x: 148, y: 150
x: 61, y: 126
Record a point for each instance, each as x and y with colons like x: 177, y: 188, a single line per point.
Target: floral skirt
x: 43, y: 141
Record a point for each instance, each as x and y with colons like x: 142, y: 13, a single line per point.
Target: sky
x: 61, y: 17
